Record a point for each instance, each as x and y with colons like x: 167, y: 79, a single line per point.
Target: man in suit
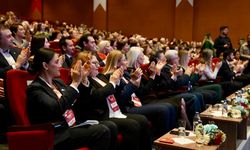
x: 67, y: 47
x: 10, y: 57
x: 88, y: 43
x: 228, y: 72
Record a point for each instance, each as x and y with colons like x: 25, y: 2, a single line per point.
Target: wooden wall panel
x: 76, y: 12
x: 149, y: 18
x: 22, y: 8
x: 183, y: 21
x: 209, y: 15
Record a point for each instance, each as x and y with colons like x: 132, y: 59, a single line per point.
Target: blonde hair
x: 133, y: 54
x: 112, y: 59
x: 102, y: 44
x: 184, y: 57
x: 206, y: 55
x: 84, y: 56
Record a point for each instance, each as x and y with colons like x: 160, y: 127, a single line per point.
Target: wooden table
x: 177, y: 146
x: 228, y: 125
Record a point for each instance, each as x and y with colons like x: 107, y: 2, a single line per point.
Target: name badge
x: 70, y: 117
x: 113, y: 104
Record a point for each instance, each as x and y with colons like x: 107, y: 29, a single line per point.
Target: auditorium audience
x: 67, y: 48
x: 142, y: 78
x: 97, y: 100
x: 50, y: 101
x: 11, y: 57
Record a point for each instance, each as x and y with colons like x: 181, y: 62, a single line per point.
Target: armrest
x: 47, y: 126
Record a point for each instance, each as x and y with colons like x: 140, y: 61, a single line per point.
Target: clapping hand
x: 77, y: 73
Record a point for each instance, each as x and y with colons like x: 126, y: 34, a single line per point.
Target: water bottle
x: 196, y: 120
x: 224, y: 107
x: 190, y: 87
x: 238, y: 96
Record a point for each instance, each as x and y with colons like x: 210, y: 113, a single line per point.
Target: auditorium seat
x: 23, y: 135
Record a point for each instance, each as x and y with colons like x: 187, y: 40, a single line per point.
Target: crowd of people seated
x: 132, y: 85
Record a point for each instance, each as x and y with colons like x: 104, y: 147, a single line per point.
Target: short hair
x: 83, y: 38
x: 227, y: 53
x: 14, y: 28
x: 120, y: 44
x: 170, y: 53
x: 223, y: 27
x: 63, y: 42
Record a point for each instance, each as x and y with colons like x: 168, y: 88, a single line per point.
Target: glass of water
x: 182, y: 128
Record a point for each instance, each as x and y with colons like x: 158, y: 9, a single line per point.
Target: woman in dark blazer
x: 162, y: 115
x: 50, y: 101
x: 97, y: 101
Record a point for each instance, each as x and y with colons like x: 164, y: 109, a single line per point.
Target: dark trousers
x: 162, y: 116
x: 96, y: 137
x: 135, y: 132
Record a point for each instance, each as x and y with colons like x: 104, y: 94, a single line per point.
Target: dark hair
x: 37, y: 42
x: 155, y: 57
x: 14, y: 28
x: 41, y: 55
x: 84, y: 38
x: 223, y: 27
x: 120, y: 45
x: 63, y: 42
x: 54, y: 35
x: 227, y: 53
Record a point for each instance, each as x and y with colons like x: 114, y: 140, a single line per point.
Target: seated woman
x: 150, y: 86
x: 50, y: 101
x: 97, y: 100
x: 205, y: 67
x: 239, y: 64
x: 207, y: 72
x: 163, y: 116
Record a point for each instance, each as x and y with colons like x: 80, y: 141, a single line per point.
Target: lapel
x: 3, y: 61
x: 47, y: 89
x: 227, y: 65
x: 14, y: 52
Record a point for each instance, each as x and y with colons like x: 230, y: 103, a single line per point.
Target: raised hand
x: 218, y: 65
x: 61, y: 60
x: 77, y: 73
x: 22, y: 58
x: 116, y: 76
x: 85, y: 71
x: 159, y: 66
x: 152, y: 69
x: 136, y: 74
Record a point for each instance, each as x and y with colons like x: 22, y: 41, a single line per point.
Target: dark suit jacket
x: 165, y: 81
x: 68, y: 61
x: 43, y: 104
x: 225, y: 72
x: 92, y: 103
x: 4, y: 65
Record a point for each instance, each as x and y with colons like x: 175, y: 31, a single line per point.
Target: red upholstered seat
x: 25, y: 136
x: 16, y: 84
x: 65, y: 75
x: 54, y: 44
x: 39, y: 137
